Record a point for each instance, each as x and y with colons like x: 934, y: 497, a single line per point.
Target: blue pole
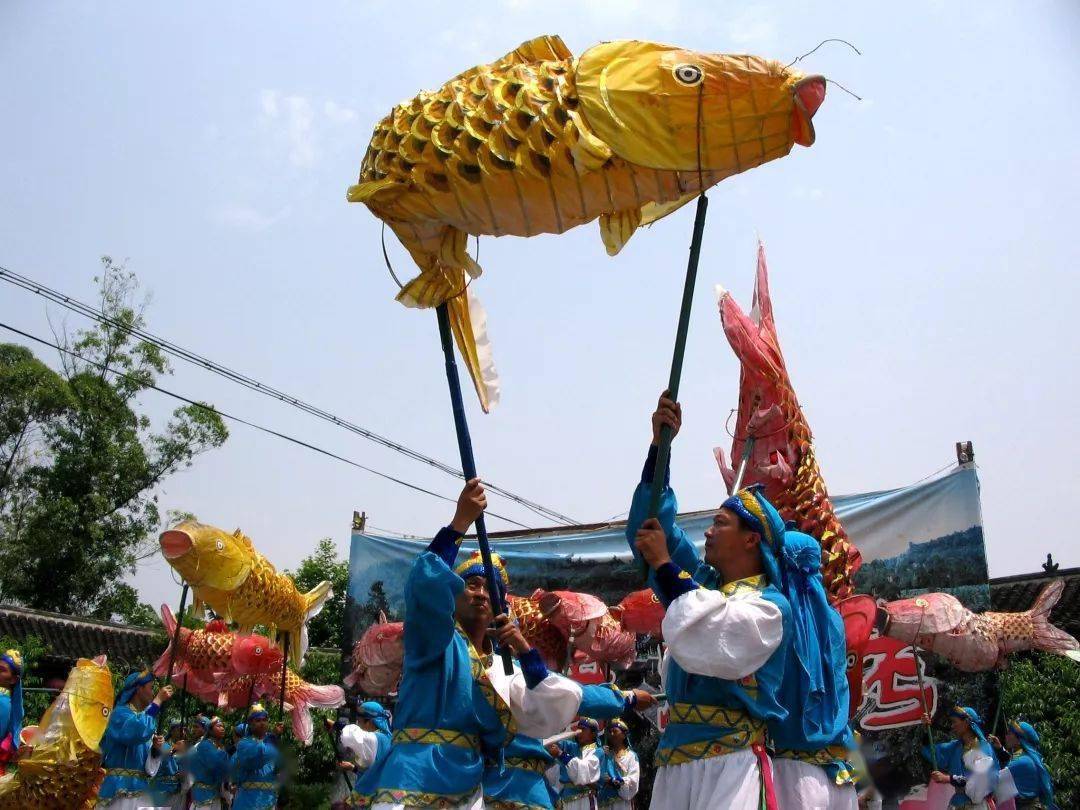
x: 468, y: 466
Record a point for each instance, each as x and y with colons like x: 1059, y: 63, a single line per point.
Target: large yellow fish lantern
x: 226, y: 572
x: 539, y: 142
x: 64, y: 770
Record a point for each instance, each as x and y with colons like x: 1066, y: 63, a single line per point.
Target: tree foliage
x: 81, y: 461
x: 325, y: 629
x: 1044, y: 690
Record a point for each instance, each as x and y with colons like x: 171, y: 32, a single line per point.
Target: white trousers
x: 802, y: 786
x: 475, y: 803
x: 732, y: 781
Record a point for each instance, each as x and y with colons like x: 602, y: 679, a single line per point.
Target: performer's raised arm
x: 432, y: 589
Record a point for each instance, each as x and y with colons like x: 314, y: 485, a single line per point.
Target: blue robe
x: 366, y: 779
x: 609, y: 769
x: 737, y: 709
x: 209, y: 769
x: 520, y: 784
x: 166, y: 783
x: 124, y: 749
x: 254, y: 771
x: 1028, y: 777
x: 447, y: 712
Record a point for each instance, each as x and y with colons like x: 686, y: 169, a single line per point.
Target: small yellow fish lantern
x: 540, y: 142
x: 226, y: 572
x: 64, y: 770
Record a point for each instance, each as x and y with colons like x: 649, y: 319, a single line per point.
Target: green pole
x: 663, y: 451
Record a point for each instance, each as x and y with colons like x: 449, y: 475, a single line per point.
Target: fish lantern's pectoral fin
x: 374, y: 190
x: 617, y: 228
x: 651, y: 212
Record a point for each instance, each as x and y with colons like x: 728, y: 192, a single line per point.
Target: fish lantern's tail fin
x: 441, y: 253
x: 306, y: 698
x: 161, y: 666
x: 1049, y: 638
x: 313, y: 605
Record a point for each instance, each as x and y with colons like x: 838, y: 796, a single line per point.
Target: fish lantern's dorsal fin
x: 544, y: 48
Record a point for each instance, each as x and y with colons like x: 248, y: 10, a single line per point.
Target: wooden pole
x: 468, y: 466
x: 175, y: 644
x: 284, y: 673
x: 922, y: 691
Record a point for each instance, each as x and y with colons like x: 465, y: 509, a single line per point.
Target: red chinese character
x: 892, y: 686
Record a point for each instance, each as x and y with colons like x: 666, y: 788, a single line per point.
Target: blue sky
x: 922, y: 253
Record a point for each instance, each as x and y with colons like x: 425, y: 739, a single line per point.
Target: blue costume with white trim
x: 125, y: 745
x: 11, y: 710
x: 956, y: 760
x: 1029, y: 773
x: 208, y: 765
x: 710, y: 716
x: 366, y: 779
x: 254, y: 769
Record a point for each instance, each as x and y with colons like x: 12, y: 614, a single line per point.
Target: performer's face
x: 473, y: 608
x: 7, y: 677
x: 258, y: 727
x: 726, y: 541
x: 617, y: 737
x: 367, y: 724
x: 1012, y: 742
x: 958, y: 726
x: 585, y: 736
x: 146, y: 692
x: 217, y: 731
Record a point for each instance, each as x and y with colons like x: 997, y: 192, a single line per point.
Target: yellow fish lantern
x: 227, y: 573
x: 64, y: 770
x: 539, y: 142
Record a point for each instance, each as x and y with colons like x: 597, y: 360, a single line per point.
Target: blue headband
x: 1029, y: 741
x: 16, y: 667
x: 588, y: 723
x: 755, y: 511
x: 374, y: 711
x: 132, y: 683
x: 15, y: 716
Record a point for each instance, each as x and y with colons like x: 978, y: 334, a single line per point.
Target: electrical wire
x: 242, y: 421
x: 251, y: 383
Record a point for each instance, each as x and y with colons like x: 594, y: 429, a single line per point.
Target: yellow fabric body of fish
x: 64, y: 770
x: 227, y: 573
x: 540, y: 142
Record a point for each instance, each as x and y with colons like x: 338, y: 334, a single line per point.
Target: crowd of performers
x: 754, y: 675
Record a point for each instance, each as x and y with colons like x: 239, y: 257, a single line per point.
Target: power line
x: 270, y: 431
x: 251, y: 383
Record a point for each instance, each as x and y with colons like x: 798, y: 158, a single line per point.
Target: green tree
x: 1044, y: 689
x: 326, y: 628
x: 82, y: 461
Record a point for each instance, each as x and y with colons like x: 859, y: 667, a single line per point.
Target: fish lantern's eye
x: 851, y: 661
x: 220, y: 545
x: 104, y: 711
x: 258, y: 650
x: 688, y: 75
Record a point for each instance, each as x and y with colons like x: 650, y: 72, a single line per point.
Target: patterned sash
x: 739, y: 731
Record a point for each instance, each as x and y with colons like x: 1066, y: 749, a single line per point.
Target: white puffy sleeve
x: 982, y: 773
x: 631, y: 779
x: 543, y: 711
x: 363, y: 745
x: 724, y: 637
x: 584, y: 770
x: 552, y: 776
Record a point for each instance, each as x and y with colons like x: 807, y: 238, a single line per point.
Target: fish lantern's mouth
x: 808, y: 95
x: 174, y: 544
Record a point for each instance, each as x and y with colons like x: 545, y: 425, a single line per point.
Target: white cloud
x: 753, y: 28
x: 294, y: 117
x: 339, y: 113
x: 247, y: 218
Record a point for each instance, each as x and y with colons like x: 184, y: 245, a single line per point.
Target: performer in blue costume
x: 1022, y: 759
x: 621, y: 775
x: 126, y: 744
x: 727, y: 628
x: 367, y: 743
x: 967, y: 763
x: 254, y: 766
x: 581, y: 764
x: 208, y: 766
x: 167, y: 761
x: 811, y: 747
x: 454, y: 703
x: 11, y: 707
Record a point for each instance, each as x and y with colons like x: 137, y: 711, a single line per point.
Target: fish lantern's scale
x: 540, y: 141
